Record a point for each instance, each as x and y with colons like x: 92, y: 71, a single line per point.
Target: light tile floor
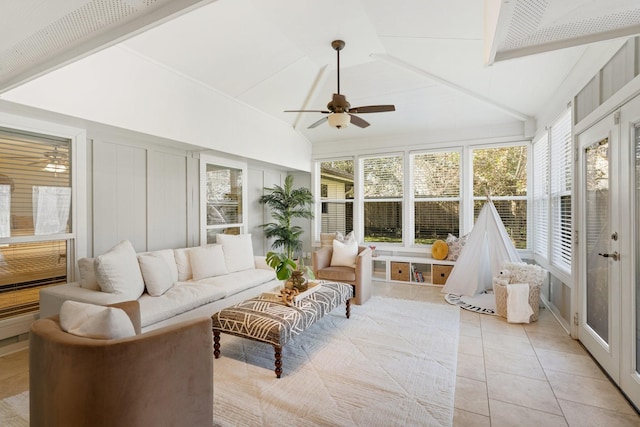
x: 508, y: 375
x: 524, y: 375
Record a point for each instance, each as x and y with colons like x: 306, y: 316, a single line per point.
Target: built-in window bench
x: 415, y: 269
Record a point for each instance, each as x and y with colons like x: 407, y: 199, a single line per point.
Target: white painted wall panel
x: 119, y: 196
x: 167, y: 200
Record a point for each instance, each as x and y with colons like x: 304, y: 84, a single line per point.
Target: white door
x: 630, y: 284
x: 599, y: 241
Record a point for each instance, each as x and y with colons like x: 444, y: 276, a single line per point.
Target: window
x: 35, y: 217
x: 383, y: 179
x: 561, y: 185
x: 436, y: 192
x: 552, y: 194
x: 223, y: 198
x: 336, y: 196
x: 541, y: 196
x: 502, y: 173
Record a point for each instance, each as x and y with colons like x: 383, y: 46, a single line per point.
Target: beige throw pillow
x: 156, y: 274
x: 118, y: 272
x: 344, y: 254
x: 88, y: 274
x: 207, y: 261
x: 95, y: 321
x: 238, y: 251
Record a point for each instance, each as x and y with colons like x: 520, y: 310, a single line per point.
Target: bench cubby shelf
x: 411, y: 269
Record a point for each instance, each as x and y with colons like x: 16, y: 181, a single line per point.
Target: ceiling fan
x: 340, y: 113
x: 50, y: 161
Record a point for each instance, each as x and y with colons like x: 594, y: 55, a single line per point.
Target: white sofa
x: 171, y: 285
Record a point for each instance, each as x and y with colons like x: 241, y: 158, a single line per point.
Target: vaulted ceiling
x: 452, y: 65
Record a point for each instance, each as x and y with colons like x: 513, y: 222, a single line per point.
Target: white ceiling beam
x: 409, y: 67
x: 322, y: 75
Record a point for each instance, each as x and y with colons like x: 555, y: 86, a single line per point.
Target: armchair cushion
x: 95, y: 321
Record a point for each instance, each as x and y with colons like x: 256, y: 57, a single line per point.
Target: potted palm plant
x: 286, y: 204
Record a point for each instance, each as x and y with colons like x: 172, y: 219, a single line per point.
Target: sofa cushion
x: 156, y: 274
x: 183, y: 297
x: 88, y: 274
x: 183, y: 264
x: 169, y: 258
x: 207, y: 261
x: 344, y: 254
x: 95, y: 321
x: 238, y: 251
x: 337, y: 274
x: 118, y: 272
x: 233, y: 283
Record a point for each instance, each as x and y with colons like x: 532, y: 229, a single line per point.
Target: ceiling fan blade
x: 318, y: 123
x: 372, y: 109
x: 307, y: 111
x: 355, y: 120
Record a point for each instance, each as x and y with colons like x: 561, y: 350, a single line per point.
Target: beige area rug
x: 392, y: 364
x: 14, y: 410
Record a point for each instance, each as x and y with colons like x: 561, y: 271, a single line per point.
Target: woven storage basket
x: 500, y: 292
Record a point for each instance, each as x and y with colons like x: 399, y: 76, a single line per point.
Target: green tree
x: 286, y: 204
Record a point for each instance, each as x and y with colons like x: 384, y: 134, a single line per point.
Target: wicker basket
x: 500, y: 293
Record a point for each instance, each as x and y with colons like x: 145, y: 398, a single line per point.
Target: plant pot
x: 297, y: 281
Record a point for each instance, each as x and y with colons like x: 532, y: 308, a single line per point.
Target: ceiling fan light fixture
x: 339, y: 120
x: 55, y: 168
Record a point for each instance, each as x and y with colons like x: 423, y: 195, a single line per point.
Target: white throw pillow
x: 95, y: 321
x: 345, y: 238
x: 344, y: 254
x: 238, y: 251
x: 156, y: 274
x: 88, y: 274
x: 118, y: 272
x: 183, y: 263
x: 207, y: 261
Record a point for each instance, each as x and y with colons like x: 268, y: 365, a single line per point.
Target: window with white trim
x: 36, y: 226
x: 436, y: 195
x: 560, y: 192
x: 501, y: 172
x: 223, y: 196
x: 541, y: 196
x: 552, y: 193
x: 383, y: 182
x: 336, y: 196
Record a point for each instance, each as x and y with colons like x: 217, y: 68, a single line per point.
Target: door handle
x: 615, y: 255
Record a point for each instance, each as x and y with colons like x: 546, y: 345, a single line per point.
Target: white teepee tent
x: 488, y: 247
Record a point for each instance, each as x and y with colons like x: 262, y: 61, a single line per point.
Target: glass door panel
x: 597, y: 237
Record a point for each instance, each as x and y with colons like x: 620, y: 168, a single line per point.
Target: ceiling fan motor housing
x: 338, y: 104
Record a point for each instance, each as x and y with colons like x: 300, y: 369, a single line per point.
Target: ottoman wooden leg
x: 348, y: 308
x: 216, y: 344
x: 278, y: 351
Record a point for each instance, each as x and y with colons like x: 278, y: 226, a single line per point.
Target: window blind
x: 560, y: 191
x: 436, y: 190
x: 35, y: 201
x: 541, y: 196
x: 383, y: 182
x: 336, y: 196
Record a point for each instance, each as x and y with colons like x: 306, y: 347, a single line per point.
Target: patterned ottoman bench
x: 273, y: 322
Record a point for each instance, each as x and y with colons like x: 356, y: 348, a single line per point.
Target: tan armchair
x: 360, y: 276
x: 162, y: 377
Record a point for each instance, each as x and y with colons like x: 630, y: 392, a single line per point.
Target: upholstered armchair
x: 359, y: 276
x: 162, y: 377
